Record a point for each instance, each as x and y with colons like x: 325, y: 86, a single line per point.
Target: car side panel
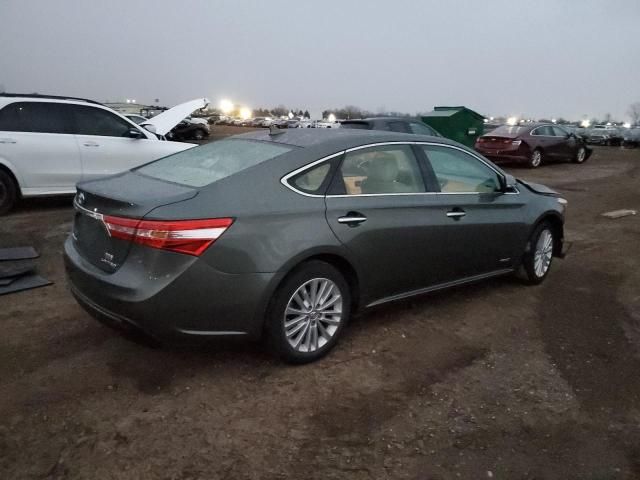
x: 43, y: 161
x: 102, y: 155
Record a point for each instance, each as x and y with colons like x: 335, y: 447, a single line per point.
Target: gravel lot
x: 495, y: 380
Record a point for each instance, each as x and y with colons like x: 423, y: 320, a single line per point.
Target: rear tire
x: 308, y: 312
x: 8, y: 192
x: 537, y: 261
x: 581, y: 155
x: 536, y: 158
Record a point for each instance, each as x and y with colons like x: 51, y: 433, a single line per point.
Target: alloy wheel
x: 581, y: 155
x: 543, y: 253
x: 536, y: 158
x: 313, y: 315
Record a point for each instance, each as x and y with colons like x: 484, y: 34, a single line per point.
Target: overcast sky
x: 543, y: 58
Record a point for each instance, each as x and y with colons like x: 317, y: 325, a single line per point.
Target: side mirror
x: 508, y: 183
x: 134, y: 133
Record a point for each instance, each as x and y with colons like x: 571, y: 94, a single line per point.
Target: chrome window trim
x: 540, y: 126
x: 285, y: 182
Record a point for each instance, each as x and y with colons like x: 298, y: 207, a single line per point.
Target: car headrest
x: 383, y: 168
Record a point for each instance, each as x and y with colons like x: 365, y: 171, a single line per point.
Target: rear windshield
x: 509, y: 130
x: 203, y: 165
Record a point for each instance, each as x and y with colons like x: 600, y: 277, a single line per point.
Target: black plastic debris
x: 18, y: 253
x: 17, y: 272
x: 26, y: 282
x: 11, y: 270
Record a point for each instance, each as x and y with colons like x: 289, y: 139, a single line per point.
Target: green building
x: 457, y: 123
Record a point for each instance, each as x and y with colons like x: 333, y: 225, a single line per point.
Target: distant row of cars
x: 266, y: 122
x: 608, y: 135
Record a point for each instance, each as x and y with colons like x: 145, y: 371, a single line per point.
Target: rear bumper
x: 198, y: 301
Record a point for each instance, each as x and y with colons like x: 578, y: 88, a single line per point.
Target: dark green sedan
x: 285, y: 234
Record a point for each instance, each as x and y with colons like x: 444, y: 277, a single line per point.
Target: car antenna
x: 273, y: 130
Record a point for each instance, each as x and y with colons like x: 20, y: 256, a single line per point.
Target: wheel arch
x: 4, y: 166
x: 554, y: 219
x: 333, y: 258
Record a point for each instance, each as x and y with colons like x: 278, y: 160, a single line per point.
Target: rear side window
x: 312, y: 181
x: 380, y: 170
x: 214, y: 161
x: 95, y: 121
x: 40, y: 117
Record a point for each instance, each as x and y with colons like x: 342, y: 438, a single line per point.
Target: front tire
x: 536, y: 262
x: 536, y: 158
x: 581, y: 155
x: 308, y: 313
x: 198, y: 134
x: 8, y: 192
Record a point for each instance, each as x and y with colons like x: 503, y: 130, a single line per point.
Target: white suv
x: 48, y: 144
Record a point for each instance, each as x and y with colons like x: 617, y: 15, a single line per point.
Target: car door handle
x: 456, y: 213
x: 352, y: 219
x: 7, y: 140
x: 91, y: 144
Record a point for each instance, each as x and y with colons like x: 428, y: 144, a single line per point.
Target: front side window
x: 545, y: 131
x: 95, y: 121
x: 380, y: 170
x: 559, y: 132
x: 459, y: 172
x: 38, y: 117
x: 200, y: 166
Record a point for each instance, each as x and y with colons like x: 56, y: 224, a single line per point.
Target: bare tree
x: 634, y: 112
x: 2, y: 89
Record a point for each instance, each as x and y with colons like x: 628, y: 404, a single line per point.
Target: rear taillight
x: 192, y: 237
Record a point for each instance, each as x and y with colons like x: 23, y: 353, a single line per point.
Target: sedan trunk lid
x: 128, y: 195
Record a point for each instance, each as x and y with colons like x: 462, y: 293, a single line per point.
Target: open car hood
x: 168, y: 119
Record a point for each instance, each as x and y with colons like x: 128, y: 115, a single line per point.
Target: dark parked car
x: 532, y: 144
x: 393, y: 124
x: 189, y: 130
x: 288, y: 233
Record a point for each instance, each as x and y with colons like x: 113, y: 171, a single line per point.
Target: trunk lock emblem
x: 108, y: 259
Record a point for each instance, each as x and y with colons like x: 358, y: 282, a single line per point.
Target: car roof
x: 336, y: 138
x: 37, y: 96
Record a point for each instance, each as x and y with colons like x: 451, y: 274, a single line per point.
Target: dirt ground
x: 495, y: 380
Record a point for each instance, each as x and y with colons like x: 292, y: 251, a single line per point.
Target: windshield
x: 209, y: 163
